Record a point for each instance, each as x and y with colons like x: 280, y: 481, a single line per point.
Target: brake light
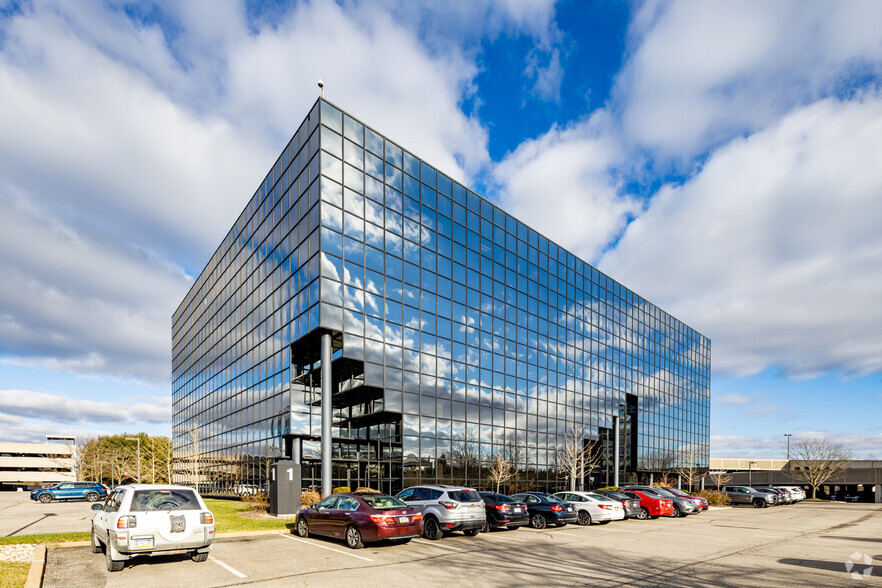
x: 127, y: 522
x: 605, y: 506
x: 448, y: 505
x: 417, y: 518
x: 383, y: 519
x: 501, y: 506
x: 207, y: 518
x: 556, y: 508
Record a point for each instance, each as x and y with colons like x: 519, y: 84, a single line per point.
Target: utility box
x: 284, y: 488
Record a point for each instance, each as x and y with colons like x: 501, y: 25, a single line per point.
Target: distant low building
x: 862, y: 480
x: 26, y: 465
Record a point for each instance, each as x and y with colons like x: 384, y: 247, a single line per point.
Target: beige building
x: 26, y: 465
x: 862, y: 480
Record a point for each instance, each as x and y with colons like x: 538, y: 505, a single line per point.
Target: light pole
x: 138, y: 439
x: 750, y: 465
x: 788, y: 435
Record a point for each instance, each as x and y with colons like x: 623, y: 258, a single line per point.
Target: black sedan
x: 547, y: 509
x: 503, y: 511
x: 631, y: 506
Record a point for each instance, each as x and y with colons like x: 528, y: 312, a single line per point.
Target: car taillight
x: 501, y: 506
x: 556, y: 508
x: 448, y: 505
x: 207, y: 518
x: 605, y: 506
x: 417, y: 518
x: 127, y: 522
x: 383, y: 519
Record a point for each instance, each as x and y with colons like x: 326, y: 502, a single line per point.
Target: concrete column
x: 327, y: 405
x: 616, y: 449
x: 296, y: 449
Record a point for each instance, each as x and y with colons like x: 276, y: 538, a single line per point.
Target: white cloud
x: 773, y: 249
x: 734, y: 400
x: 703, y: 72
x: 560, y: 184
x: 64, y: 409
x: 864, y: 445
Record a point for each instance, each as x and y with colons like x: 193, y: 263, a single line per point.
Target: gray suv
x: 446, y: 509
x: 682, y: 506
x: 748, y: 495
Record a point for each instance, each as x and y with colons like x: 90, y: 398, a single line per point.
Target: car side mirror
x: 97, y: 506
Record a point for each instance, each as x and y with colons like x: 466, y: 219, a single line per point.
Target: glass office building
x: 456, y: 333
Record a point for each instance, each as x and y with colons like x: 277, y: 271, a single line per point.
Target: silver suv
x: 748, y: 495
x: 446, y: 509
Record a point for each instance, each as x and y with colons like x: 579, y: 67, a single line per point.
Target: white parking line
x: 232, y: 570
x: 437, y: 544
x: 325, y: 547
x: 508, y: 538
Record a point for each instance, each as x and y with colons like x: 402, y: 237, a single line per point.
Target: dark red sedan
x: 359, y: 518
x: 650, y: 506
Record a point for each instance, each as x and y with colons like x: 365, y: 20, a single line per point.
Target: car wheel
x: 606, y: 522
x: 302, y: 527
x: 471, y: 532
x: 584, y: 518
x: 756, y: 503
x: 113, y: 565
x: 92, y: 496
x: 537, y: 521
x: 45, y: 498
x: 199, y: 556
x: 95, y: 544
x: 431, y: 530
x: 643, y: 514
x: 353, y: 537
x: 677, y: 512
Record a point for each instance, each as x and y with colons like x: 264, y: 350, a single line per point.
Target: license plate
x: 570, y: 509
x: 518, y: 510
x: 473, y: 509
x: 403, y: 519
x: 141, y: 543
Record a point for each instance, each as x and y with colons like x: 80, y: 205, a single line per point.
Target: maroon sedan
x: 359, y: 518
x: 650, y: 506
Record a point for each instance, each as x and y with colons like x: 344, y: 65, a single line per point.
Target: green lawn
x: 13, y: 574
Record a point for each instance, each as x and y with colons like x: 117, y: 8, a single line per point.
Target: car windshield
x: 383, y: 502
x: 153, y: 500
x: 500, y: 498
x: 619, y: 496
x: 599, y: 497
x: 663, y: 492
x: 464, y: 495
x: 552, y: 498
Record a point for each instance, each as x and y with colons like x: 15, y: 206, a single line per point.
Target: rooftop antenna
x: 321, y: 86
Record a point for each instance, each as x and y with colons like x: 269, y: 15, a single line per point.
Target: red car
x: 651, y: 507
x: 702, y: 502
x: 359, y: 518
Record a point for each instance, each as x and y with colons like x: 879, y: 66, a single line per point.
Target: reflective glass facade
x: 458, y: 332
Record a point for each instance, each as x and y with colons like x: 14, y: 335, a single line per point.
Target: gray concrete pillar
x: 616, y: 449
x: 327, y: 412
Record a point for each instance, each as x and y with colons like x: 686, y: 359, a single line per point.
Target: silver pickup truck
x: 748, y: 495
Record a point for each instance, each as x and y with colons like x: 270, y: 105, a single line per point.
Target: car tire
x: 45, y: 498
x: 584, y: 518
x: 95, y: 544
x: 92, y: 496
x: 353, y: 537
x: 677, y: 512
x: 471, y: 532
x: 606, y: 522
x: 643, y: 514
x: 302, y: 527
x: 113, y: 565
x: 756, y: 503
x: 538, y: 521
x: 431, y: 530
x: 199, y: 557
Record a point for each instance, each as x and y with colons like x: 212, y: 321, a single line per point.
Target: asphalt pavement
x: 19, y: 515
x: 807, y: 544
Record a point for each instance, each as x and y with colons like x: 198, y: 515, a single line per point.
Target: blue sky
x: 721, y: 159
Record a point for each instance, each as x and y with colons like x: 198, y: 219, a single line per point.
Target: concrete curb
x: 38, y: 565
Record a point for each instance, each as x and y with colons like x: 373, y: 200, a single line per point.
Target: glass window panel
x: 373, y: 165
x: 411, y: 165
x: 393, y: 154
x: 373, y: 141
x: 332, y: 142
x: 353, y: 130
x: 332, y: 117
x: 332, y: 167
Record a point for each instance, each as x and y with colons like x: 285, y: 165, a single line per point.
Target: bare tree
x: 577, y: 456
x: 819, y: 459
x: 662, y: 461
x: 720, y: 479
x: 690, y: 470
x: 464, y: 457
x: 501, y: 470
x: 193, y: 454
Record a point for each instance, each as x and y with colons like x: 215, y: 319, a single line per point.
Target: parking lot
x: 803, y: 544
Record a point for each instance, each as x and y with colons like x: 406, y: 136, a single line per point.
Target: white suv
x: 446, y: 508
x: 151, y: 518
